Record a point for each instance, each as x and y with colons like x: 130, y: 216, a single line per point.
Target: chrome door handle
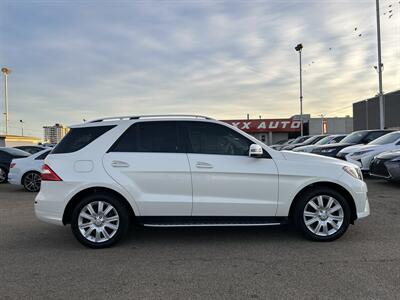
x: 203, y: 165
x: 119, y: 164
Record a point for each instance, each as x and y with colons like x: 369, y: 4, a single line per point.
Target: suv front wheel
x: 99, y: 220
x: 322, y: 214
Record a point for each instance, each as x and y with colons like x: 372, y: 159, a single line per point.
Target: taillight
x: 49, y: 175
x: 12, y: 165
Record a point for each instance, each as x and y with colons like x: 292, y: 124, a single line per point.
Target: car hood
x: 305, y: 147
x: 358, y: 148
x: 303, y: 157
x: 389, y: 155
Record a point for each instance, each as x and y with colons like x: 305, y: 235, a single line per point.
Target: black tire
x: 122, y: 213
x: 31, y: 181
x: 3, y: 175
x: 299, y: 217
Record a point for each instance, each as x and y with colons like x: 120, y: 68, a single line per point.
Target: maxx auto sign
x: 264, y: 125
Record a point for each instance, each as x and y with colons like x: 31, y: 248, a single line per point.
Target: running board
x: 200, y: 221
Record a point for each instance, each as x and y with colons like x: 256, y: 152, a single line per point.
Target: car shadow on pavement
x: 209, y: 234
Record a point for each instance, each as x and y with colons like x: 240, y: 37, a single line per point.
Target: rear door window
x: 159, y: 136
x: 78, y: 138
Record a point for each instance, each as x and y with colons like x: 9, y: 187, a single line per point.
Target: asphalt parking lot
x: 40, y: 261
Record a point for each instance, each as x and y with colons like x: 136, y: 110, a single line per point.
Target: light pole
x: 381, y: 104
x: 22, y: 127
x: 298, y: 49
x: 6, y: 72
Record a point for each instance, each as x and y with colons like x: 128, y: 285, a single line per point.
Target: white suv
x: 190, y: 171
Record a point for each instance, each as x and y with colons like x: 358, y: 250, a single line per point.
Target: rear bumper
x: 50, y: 202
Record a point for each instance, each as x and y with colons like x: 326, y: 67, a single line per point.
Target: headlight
x: 361, y: 152
x: 353, y: 171
x: 328, y: 150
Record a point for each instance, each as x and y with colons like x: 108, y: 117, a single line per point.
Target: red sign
x: 266, y: 125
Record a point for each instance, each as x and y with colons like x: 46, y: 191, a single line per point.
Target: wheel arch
x: 93, y: 190
x: 326, y: 184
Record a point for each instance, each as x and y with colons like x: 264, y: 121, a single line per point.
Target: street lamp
x: 298, y: 49
x: 6, y: 72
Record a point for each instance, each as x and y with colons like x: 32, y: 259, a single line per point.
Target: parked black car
x: 310, y: 141
x: 6, y: 156
x: 386, y: 165
x: 31, y: 149
x: 355, y: 138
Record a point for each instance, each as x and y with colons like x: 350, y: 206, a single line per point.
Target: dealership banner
x: 266, y: 125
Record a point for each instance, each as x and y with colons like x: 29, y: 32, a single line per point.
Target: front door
x: 226, y: 181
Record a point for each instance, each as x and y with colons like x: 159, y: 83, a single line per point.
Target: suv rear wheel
x: 99, y: 220
x: 322, y: 214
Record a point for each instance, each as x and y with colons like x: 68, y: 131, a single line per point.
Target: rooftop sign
x: 266, y: 125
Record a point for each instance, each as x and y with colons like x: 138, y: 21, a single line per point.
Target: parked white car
x: 362, y: 155
x: 26, y: 171
x: 190, y: 171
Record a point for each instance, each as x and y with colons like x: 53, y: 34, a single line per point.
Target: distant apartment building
x: 54, y: 134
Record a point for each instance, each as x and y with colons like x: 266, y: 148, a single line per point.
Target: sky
x: 75, y: 60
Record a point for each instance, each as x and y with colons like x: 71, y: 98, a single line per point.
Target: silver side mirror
x: 256, y: 150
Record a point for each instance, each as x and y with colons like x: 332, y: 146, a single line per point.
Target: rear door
x: 149, y: 161
x: 226, y: 181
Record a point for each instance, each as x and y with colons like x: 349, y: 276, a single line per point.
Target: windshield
x: 386, y: 139
x: 300, y: 139
x: 324, y: 141
x: 310, y: 140
x: 355, y: 137
x: 15, y: 152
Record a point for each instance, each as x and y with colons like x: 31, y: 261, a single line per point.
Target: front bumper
x: 393, y: 168
x: 359, y: 192
x: 363, y: 163
x: 14, y: 176
x: 378, y: 169
x: 366, y: 211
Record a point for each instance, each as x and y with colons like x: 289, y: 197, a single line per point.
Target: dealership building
x: 272, y: 130
x: 366, y: 112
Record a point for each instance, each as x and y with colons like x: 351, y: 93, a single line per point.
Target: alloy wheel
x: 3, y: 176
x: 323, y: 215
x: 98, y: 221
x: 32, y: 182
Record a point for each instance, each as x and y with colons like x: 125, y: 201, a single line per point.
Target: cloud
x: 86, y: 59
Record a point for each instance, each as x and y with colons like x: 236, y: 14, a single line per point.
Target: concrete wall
x: 17, y: 140
x: 334, y: 125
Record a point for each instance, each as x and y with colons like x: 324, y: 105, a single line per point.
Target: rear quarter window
x: 43, y: 155
x: 78, y: 138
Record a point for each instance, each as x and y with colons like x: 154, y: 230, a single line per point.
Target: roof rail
x: 148, y: 116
